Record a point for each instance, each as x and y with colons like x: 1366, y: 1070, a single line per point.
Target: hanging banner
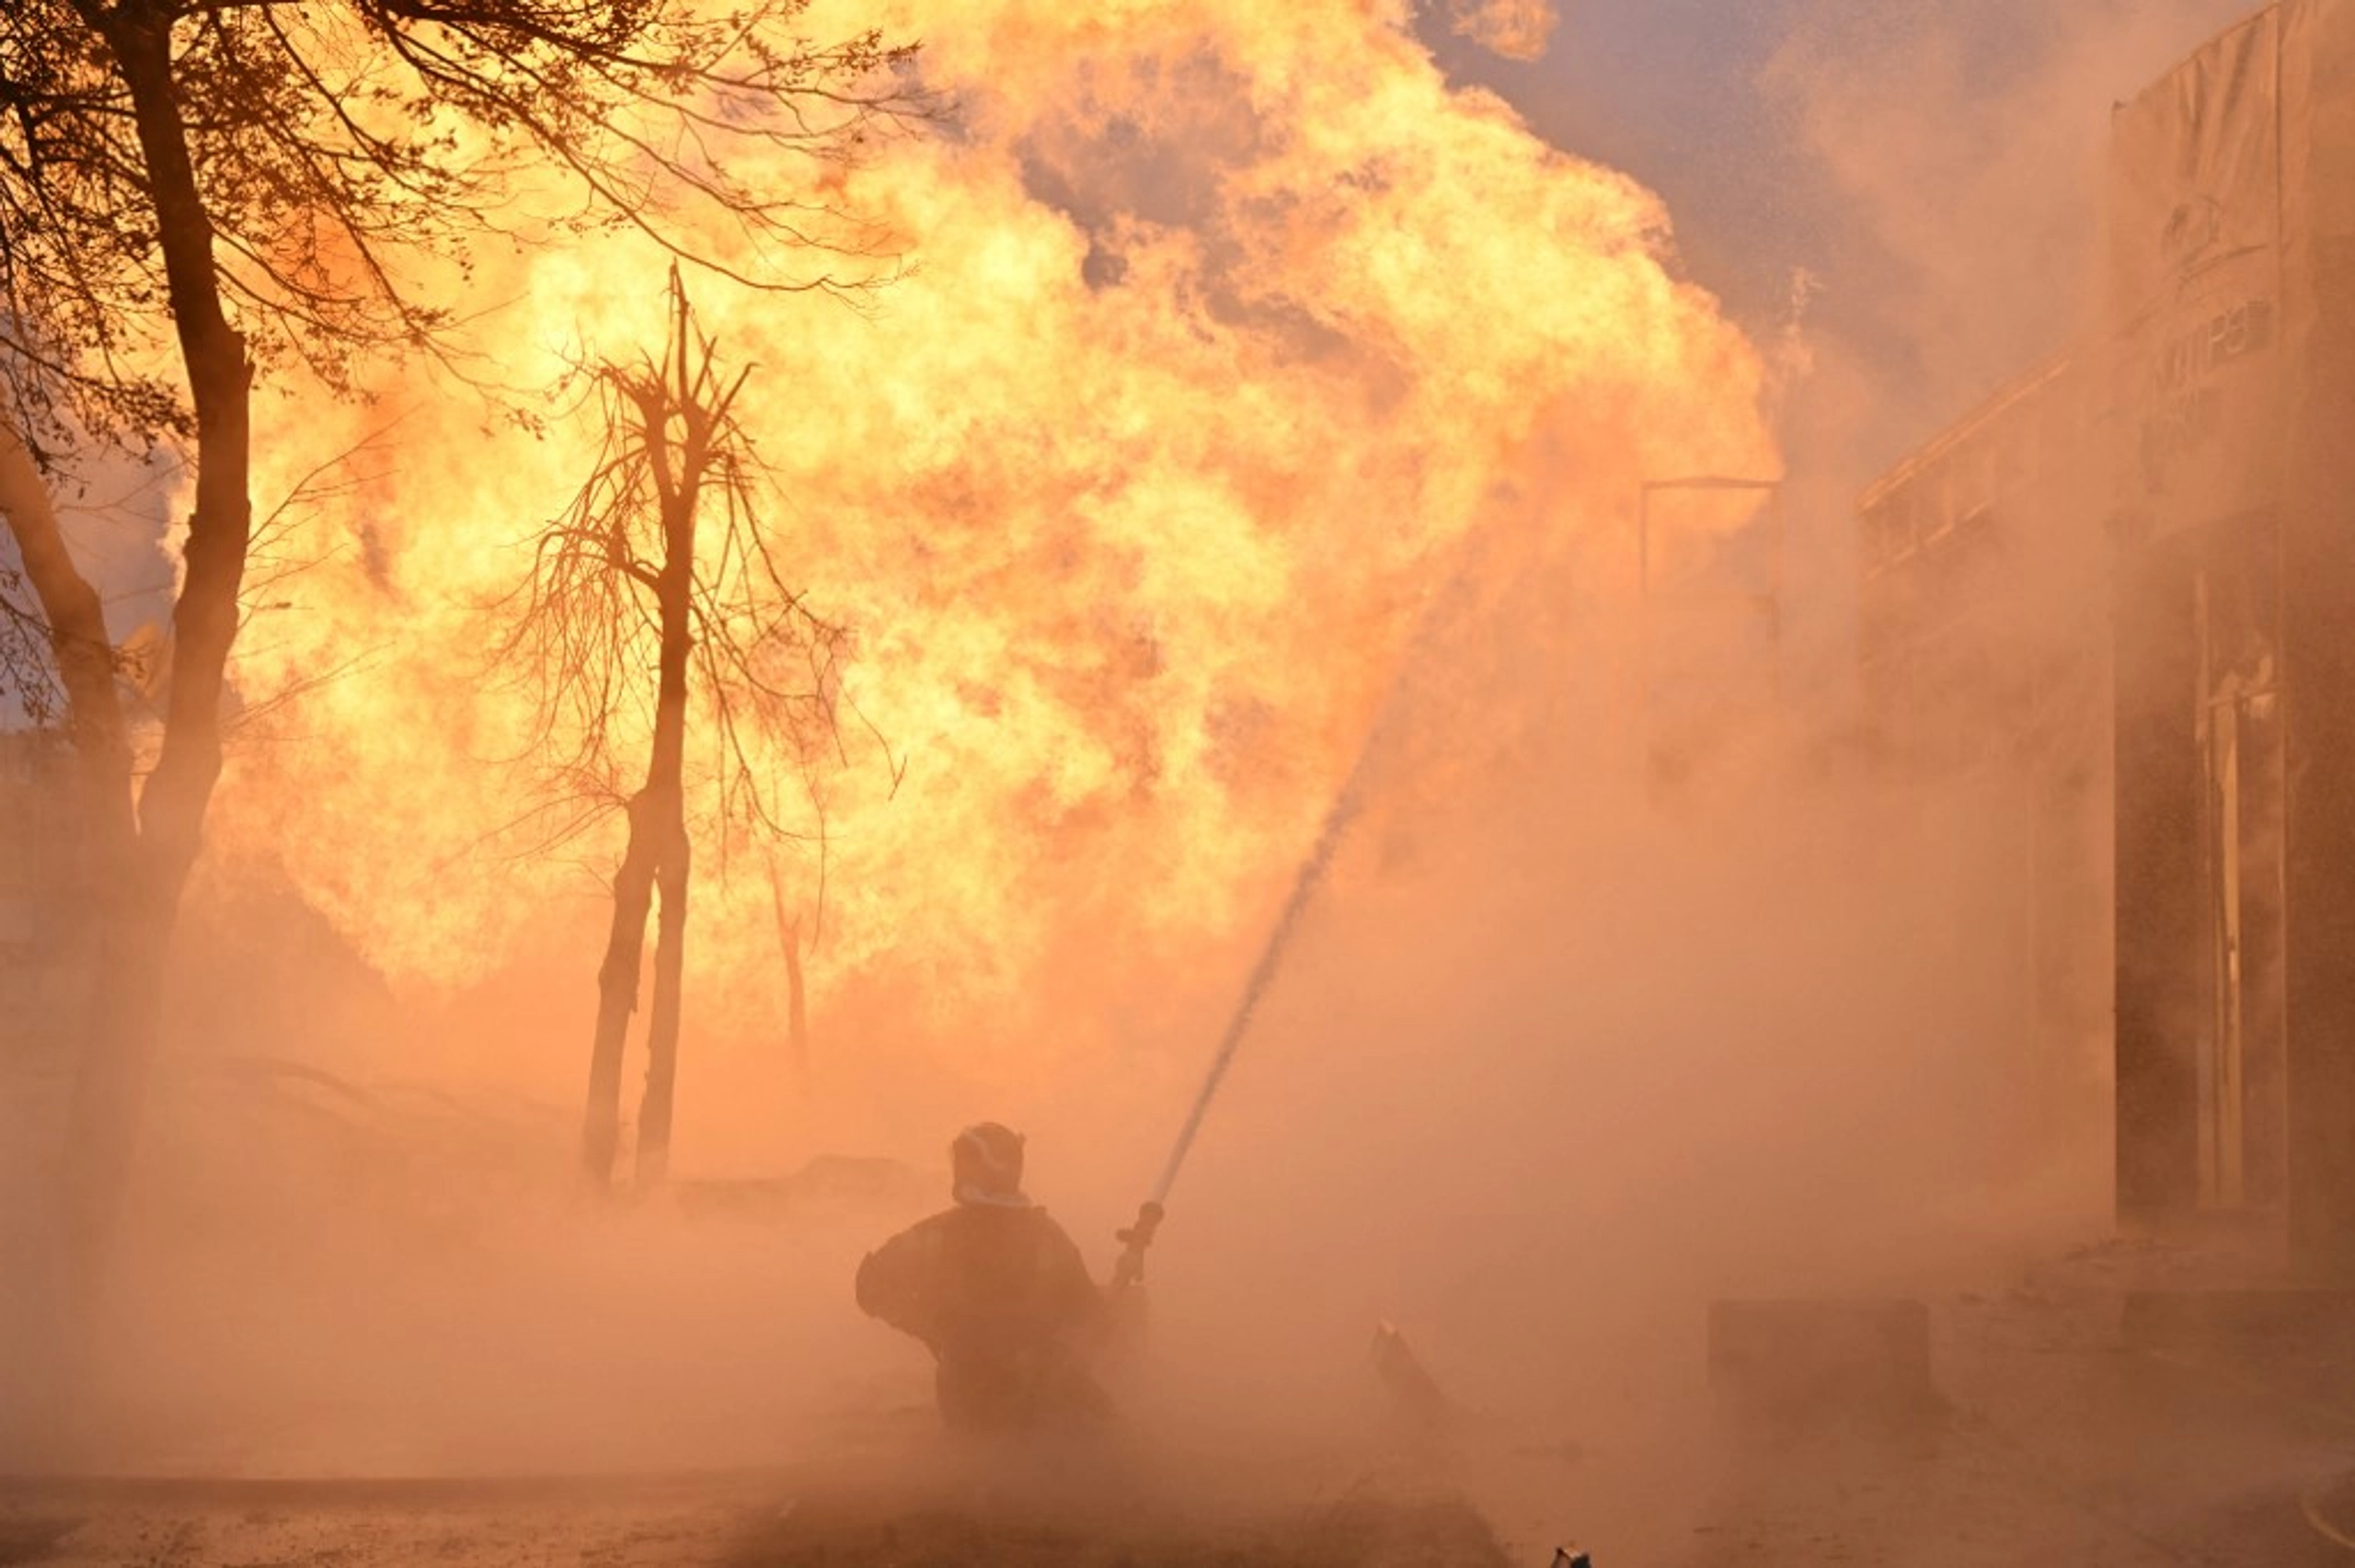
x: 2195, y: 284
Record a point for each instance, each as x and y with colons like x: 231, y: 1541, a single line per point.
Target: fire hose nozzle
x: 1140, y: 1234
x: 1134, y: 1238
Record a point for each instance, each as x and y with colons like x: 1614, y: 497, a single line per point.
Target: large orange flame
x: 1228, y: 322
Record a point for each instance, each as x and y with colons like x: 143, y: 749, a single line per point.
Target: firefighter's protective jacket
x: 1003, y: 1297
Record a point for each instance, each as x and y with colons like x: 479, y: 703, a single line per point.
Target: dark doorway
x: 2201, y: 917
x: 2237, y: 727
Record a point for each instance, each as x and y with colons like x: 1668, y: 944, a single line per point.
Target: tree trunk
x: 142, y: 887
x: 78, y: 640
x: 617, y: 993
x: 662, y: 1026
x: 797, y: 986
x: 657, y: 857
x: 681, y: 491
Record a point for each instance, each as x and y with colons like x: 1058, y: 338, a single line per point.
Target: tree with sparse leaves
x: 663, y: 563
x: 196, y: 194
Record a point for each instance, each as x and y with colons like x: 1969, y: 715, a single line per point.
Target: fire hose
x: 1130, y: 1269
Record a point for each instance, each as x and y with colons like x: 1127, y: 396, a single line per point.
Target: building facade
x: 1985, y: 672
x: 2185, y: 484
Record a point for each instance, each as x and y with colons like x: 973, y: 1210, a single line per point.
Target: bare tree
x: 793, y: 944
x: 663, y: 561
x: 30, y: 693
x: 197, y: 193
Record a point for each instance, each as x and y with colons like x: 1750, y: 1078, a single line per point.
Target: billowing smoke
x: 1518, y: 29
x: 2002, y: 110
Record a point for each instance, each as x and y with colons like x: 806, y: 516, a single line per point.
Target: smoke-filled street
x: 1439, y: 781
x: 2048, y: 1443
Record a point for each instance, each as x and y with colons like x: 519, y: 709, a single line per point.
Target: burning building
x: 2124, y: 590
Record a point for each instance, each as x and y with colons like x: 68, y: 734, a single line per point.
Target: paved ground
x: 633, y: 1530
x: 720, y: 1523
x: 2049, y: 1444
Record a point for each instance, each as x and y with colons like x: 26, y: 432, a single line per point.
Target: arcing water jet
x: 1310, y: 876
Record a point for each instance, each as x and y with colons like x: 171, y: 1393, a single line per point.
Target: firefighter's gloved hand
x: 1140, y: 1235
